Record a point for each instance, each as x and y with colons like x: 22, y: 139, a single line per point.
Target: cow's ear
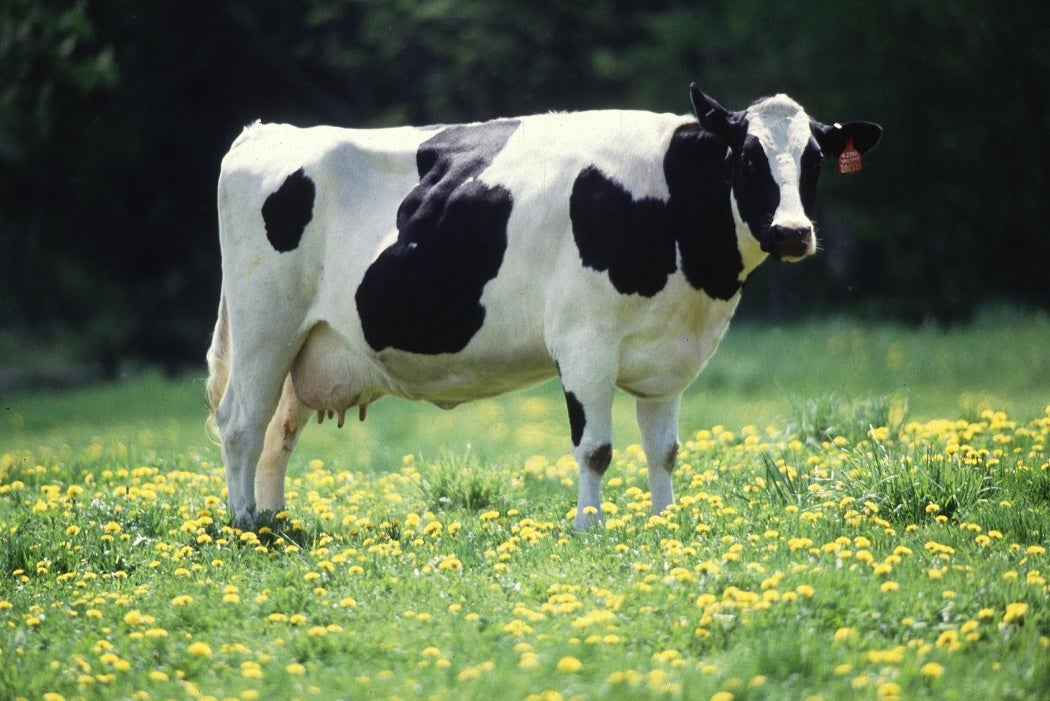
x: 730, y: 127
x: 833, y: 139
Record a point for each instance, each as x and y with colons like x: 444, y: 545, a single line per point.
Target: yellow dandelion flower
x: 1015, y: 613
x: 199, y: 649
x: 805, y: 590
x: 932, y: 670
x: 450, y: 564
x: 251, y: 670
x: 889, y: 690
x: 295, y: 668
x: 569, y: 664
x: 529, y: 661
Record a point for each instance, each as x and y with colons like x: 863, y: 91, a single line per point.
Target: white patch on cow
x: 751, y: 253
x: 783, y: 128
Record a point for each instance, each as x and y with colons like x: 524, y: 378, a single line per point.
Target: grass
x: 866, y: 521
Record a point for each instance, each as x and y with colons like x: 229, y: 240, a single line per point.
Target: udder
x: 328, y: 378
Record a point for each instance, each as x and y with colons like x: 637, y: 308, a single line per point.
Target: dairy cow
x: 450, y: 263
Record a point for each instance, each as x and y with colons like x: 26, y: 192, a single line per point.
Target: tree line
x: 114, y: 116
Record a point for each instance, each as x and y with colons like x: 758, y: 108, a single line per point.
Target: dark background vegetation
x: 114, y: 115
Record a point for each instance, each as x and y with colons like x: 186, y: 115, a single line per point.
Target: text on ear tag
x: 849, y: 159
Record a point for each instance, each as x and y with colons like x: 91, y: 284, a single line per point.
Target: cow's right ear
x: 833, y: 139
x: 730, y: 127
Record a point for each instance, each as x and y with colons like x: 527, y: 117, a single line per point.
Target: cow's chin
x: 791, y: 257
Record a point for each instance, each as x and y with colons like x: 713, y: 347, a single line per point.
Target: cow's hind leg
x: 658, y: 423
x: 282, y: 434
x: 246, y: 409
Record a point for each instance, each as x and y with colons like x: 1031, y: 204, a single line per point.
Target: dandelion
x: 889, y: 690
x: 450, y: 564
x: 295, y: 669
x: 1015, y: 613
x: 199, y: 649
x: 932, y: 670
x: 569, y: 664
x: 529, y: 661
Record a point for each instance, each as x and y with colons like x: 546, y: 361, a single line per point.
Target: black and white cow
x: 452, y: 263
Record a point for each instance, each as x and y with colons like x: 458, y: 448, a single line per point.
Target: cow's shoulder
x: 661, y: 206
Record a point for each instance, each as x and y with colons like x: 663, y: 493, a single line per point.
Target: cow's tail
x: 218, y: 365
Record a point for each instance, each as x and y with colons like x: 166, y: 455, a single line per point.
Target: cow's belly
x: 333, y: 374
x: 454, y: 379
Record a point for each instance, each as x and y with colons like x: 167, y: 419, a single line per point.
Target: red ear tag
x: 849, y: 159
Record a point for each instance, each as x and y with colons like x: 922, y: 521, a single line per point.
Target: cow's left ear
x: 833, y: 139
x: 730, y: 127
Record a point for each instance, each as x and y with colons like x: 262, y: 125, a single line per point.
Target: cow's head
x: 775, y: 153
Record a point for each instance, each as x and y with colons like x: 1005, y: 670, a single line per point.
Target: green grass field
x: 862, y: 513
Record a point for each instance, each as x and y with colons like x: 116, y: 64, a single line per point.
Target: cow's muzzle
x: 790, y: 242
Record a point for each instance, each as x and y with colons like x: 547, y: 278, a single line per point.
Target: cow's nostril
x: 782, y: 234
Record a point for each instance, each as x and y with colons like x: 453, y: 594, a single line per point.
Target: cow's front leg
x: 658, y: 423
x: 590, y: 422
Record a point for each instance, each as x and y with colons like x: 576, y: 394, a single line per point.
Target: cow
x: 451, y: 263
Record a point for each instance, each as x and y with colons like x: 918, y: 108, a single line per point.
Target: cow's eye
x: 749, y: 165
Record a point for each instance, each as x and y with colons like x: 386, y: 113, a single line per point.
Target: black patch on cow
x: 614, y: 233
x: 638, y: 241
x: 423, y: 293
x: 757, y: 194
x: 697, y: 173
x: 599, y: 459
x: 288, y: 210
x: 577, y: 418
x: 812, y: 159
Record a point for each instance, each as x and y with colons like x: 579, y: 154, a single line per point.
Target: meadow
x: 862, y: 513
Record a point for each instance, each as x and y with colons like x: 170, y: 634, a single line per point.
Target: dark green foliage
x: 113, y: 122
